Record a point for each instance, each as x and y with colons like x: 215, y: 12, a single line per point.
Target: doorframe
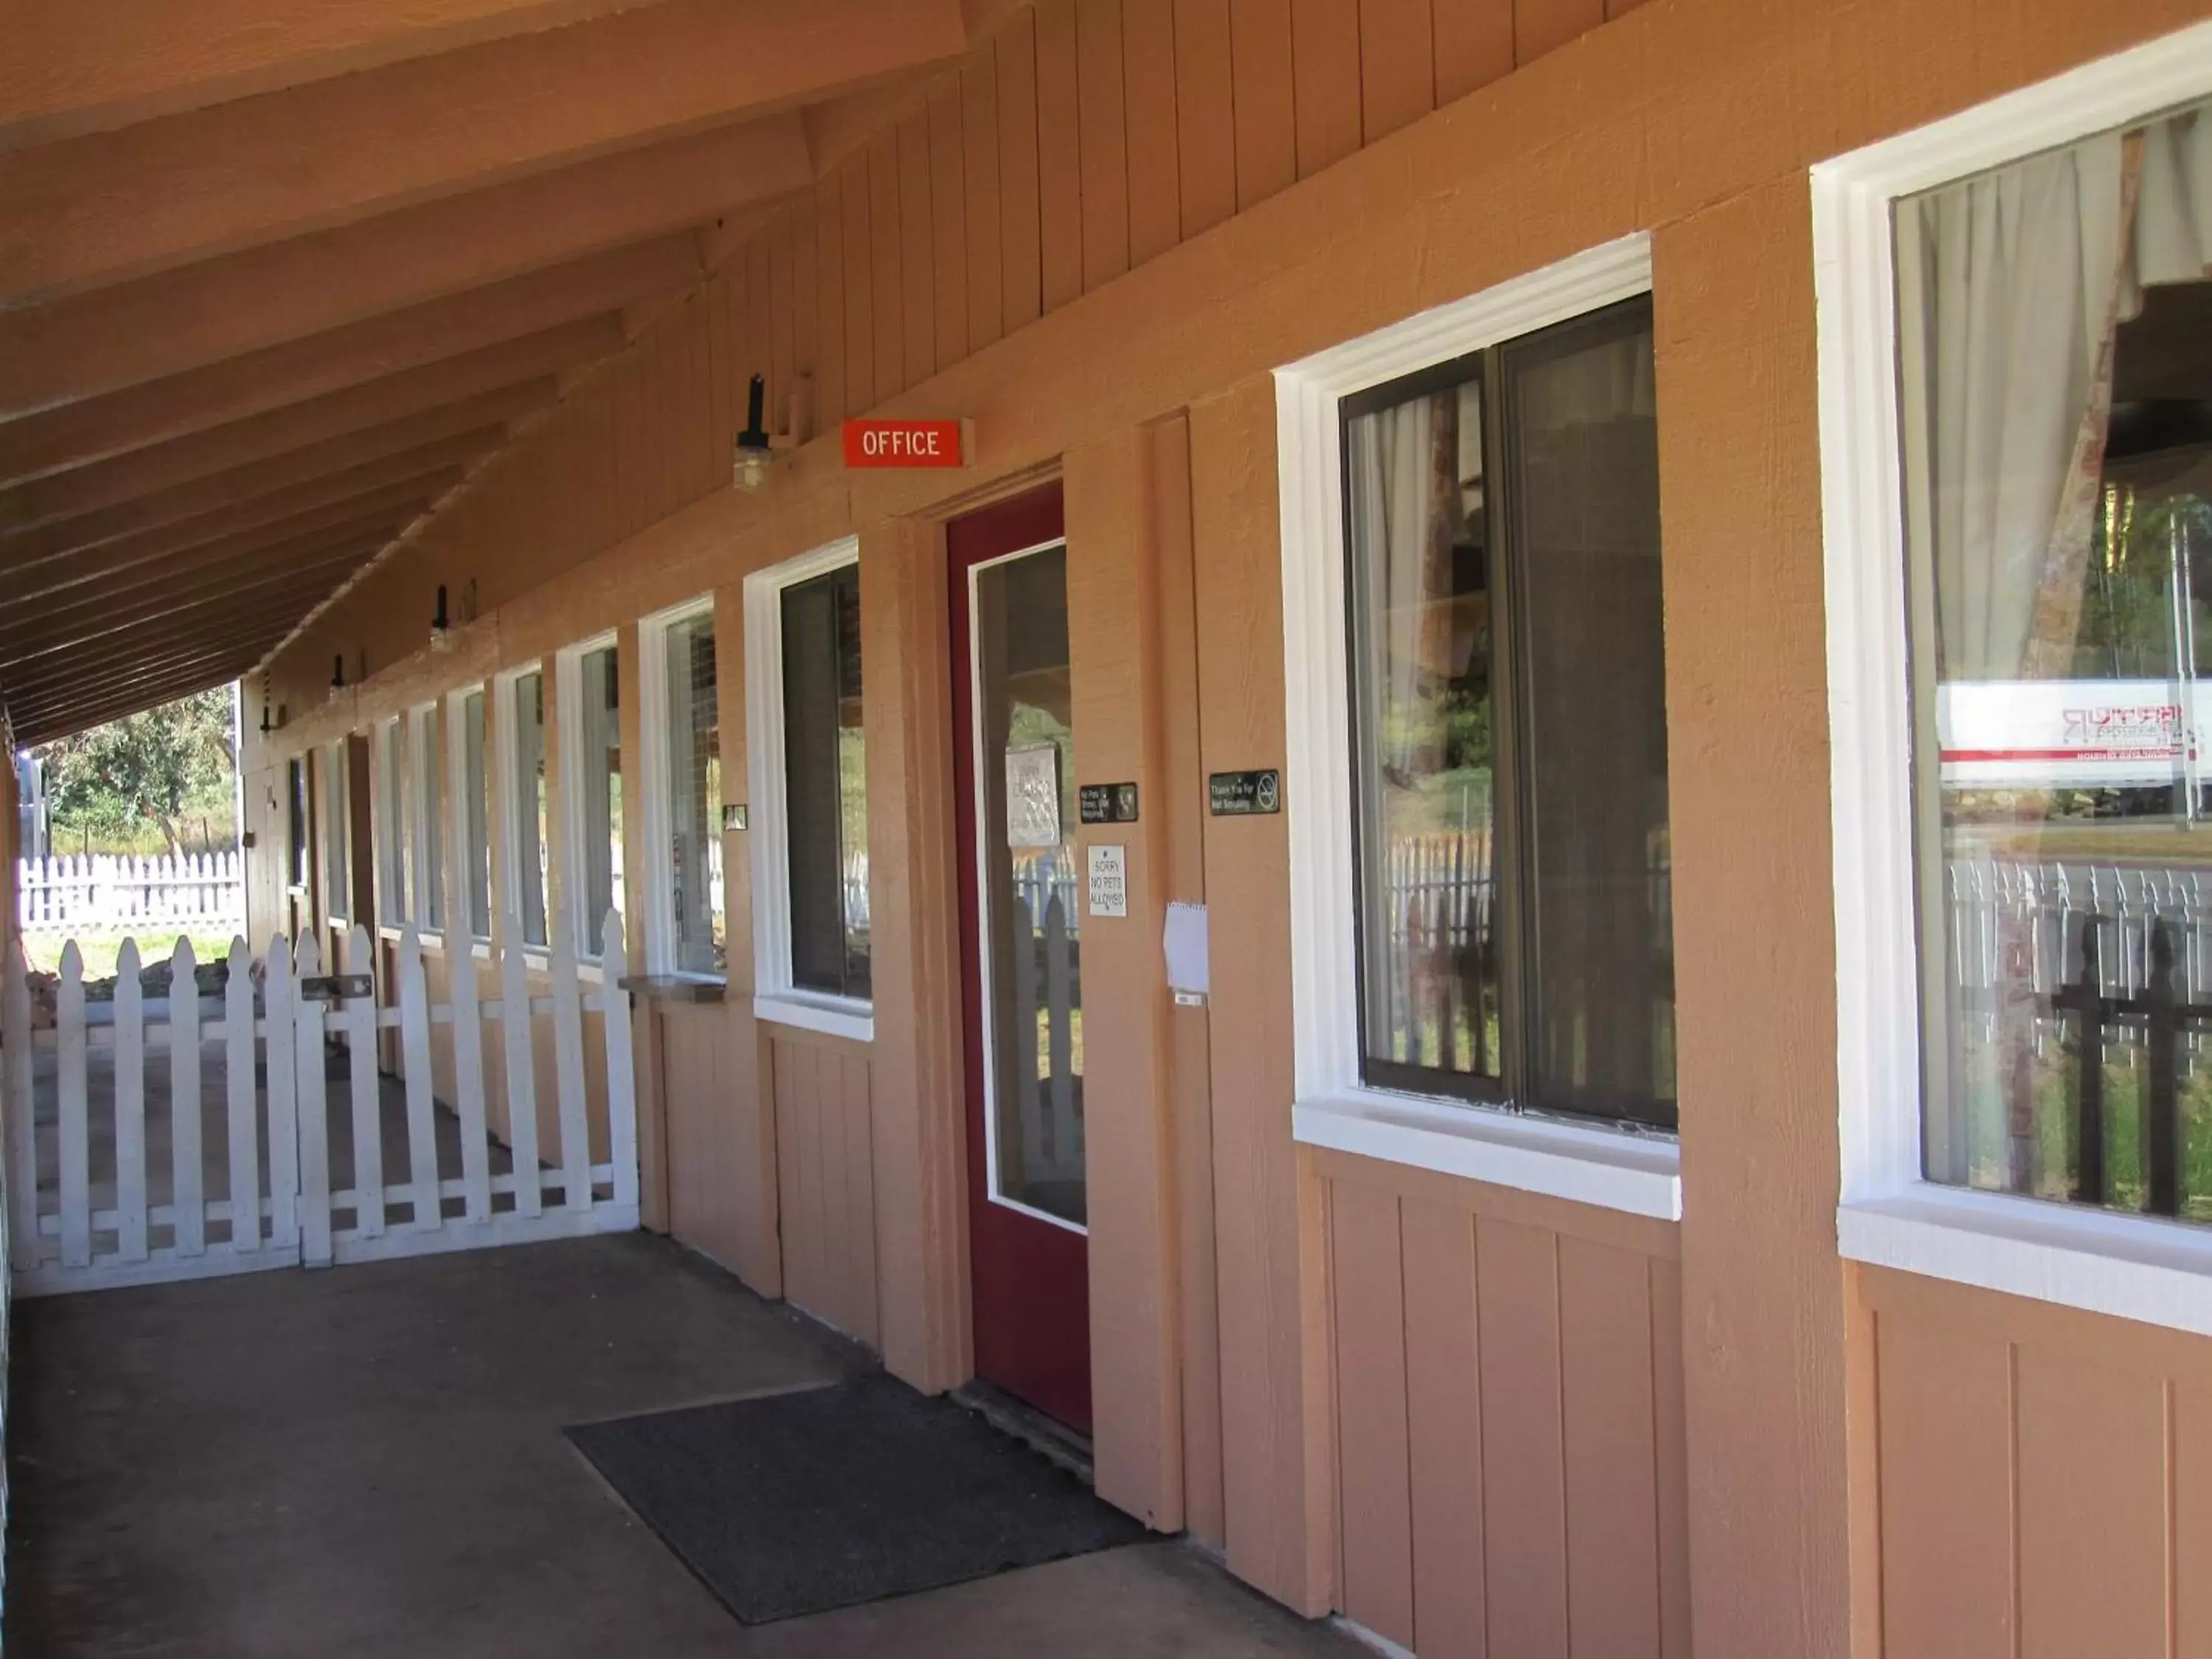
x: 1156, y: 1431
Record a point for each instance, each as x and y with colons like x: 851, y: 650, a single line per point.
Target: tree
x: 142, y: 768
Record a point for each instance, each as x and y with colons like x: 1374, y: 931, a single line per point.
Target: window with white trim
x: 296, y: 845
x: 391, y: 823
x: 2015, y: 314
x: 526, y: 824
x: 808, y: 751
x: 473, y: 820
x: 427, y: 800
x: 337, y: 870
x: 683, y: 792
x: 591, y: 786
x: 1481, y: 929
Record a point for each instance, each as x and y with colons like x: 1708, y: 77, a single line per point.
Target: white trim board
x: 1618, y: 1169
x: 2137, y: 1267
x: 768, y: 832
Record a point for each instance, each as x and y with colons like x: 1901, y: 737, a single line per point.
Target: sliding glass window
x: 1509, y: 736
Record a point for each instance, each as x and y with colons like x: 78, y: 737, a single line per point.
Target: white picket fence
x: 96, y: 893
x: 87, y: 1175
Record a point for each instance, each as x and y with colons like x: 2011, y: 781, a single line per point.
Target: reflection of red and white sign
x: 903, y: 443
x: 2077, y: 734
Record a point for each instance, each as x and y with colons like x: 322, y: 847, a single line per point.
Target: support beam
x: 113, y: 205
x: 97, y: 676
x: 59, y: 716
x: 136, y: 481
x: 245, y: 498
x: 80, y: 66
x: 298, y: 592
x: 102, y: 428
x: 322, y: 363
x: 198, y: 314
x: 500, y: 383
x: 72, y: 606
x: 426, y: 471
x: 389, y: 510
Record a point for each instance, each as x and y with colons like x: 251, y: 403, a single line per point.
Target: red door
x: 1021, y: 954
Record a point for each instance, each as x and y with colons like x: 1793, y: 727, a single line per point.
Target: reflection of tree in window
x: 2056, y: 395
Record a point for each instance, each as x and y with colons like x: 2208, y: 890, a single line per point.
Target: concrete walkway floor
x: 368, y: 1462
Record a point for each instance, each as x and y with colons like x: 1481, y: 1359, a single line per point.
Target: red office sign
x: 903, y: 443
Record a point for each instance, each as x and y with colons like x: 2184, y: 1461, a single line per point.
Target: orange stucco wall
x: 1114, y: 216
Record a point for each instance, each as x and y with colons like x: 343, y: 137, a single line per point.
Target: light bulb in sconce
x: 749, y: 466
x: 441, y: 629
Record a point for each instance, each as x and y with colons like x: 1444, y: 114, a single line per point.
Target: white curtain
x: 2012, y: 295
x: 1403, y: 466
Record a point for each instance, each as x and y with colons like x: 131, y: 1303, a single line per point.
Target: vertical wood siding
x: 825, y: 1182
x: 1084, y: 137
x: 2044, y: 1477
x: 1509, y: 1411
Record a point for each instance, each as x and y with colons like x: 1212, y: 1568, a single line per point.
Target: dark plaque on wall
x: 1109, y: 803
x: 1231, y: 794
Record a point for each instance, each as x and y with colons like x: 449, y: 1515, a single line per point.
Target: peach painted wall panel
x: 704, y: 1180
x: 825, y: 1179
x: 2045, y: 1478
x: 1508, y: 1445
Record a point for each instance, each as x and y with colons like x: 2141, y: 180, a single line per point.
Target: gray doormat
x: 793, y: 1503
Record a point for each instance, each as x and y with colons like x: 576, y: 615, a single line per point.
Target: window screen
x: 695, y: 798
x: 337, y: 875
x: 527, y: 802
x: 825, y: 766
x: 598, y: 782
x: 477, y: 856
x: 426, y: 755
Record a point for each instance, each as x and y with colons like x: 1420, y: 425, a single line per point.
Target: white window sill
x: 2130, y: 1267
x: 841, y: 1017
x: 1614, y: 1169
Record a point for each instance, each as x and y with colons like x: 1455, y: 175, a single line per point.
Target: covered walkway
x: 370, y: 1462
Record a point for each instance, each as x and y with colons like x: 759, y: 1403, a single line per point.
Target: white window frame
x: 2139, y: 1267
x: 335, y: 811
x: 1621, y: 1168
x: 456, y: 814
x: 503, y: 759
x: 774, y: 995
x: 569, y: 714
x: 392, y: 818
x: 656, y: 904
x: 424, y: 734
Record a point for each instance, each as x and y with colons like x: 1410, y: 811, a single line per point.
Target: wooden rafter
x: 109, y: 206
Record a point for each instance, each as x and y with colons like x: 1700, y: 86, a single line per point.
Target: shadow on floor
x: 368, y: 1462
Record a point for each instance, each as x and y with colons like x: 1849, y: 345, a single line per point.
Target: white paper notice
x: 1188, y: 969
x: 1109, y: 882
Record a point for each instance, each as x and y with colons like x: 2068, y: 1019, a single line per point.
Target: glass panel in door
x: 1027, y: 857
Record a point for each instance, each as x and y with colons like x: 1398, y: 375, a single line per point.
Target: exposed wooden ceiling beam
x: 48, y: 721
x: 511, y: 379
x: 79, y: 66
x: 41, y: 716
x: 420, y: 467
x: 193, y: 566
x: 246, y: 496
x: 388, y: 509
x: 300, y: 369
x: 95, y: 431
x: 109, y: 206
x: 240, y: 575
x: 159, y: 620
x: 138, y: 480
x: 198, y: 314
